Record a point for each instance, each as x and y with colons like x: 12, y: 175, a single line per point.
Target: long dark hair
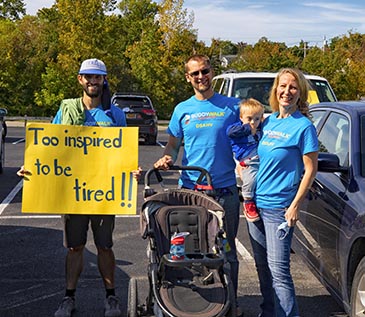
x: 106, y: 100
x: 106, y: 96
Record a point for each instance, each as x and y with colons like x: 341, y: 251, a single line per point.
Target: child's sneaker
x: 250, y: 211
x: 66, y: 308
x: 112, y: 307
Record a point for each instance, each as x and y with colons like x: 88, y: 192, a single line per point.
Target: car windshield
x: 323, y: 91
x: 259, y: 89
x: 133, y: 102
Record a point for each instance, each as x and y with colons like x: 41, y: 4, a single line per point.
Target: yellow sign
x: 312, y: 97
x: 80, y: 170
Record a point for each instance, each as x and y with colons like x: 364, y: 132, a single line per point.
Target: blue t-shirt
x: 281, y: 150
x: 202, y: 124
x: 97, y: 117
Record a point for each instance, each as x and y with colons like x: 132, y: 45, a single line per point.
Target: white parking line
x: 19, y: 141
x: 37, y: 299
x: 242, y: 251
x: 240, y: 248
x: 160, y: 144
x: 31, y: 217
x: 10, y: 197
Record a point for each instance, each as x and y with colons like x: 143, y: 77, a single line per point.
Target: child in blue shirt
x: 245, y: 135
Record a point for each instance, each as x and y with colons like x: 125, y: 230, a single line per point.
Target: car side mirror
x: 330, y: 163
x: 3, y: 112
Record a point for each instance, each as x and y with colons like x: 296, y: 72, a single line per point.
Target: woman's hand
x: 292, y: 215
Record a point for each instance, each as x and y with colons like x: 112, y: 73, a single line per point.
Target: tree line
x: 144, y: 45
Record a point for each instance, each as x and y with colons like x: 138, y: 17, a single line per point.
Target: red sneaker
x: 250, y: 211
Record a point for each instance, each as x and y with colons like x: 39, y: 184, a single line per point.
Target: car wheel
x: 151, y: 139
x: 358, y: 291
x: 5, y: 129
x: 2, y: 155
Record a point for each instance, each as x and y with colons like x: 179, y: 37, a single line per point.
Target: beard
x: 202, y: 88
x: 93, y: 91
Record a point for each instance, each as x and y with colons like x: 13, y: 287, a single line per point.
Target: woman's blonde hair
x: 303, y: 89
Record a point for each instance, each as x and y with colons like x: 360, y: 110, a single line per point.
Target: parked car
x: 257, y: 85
x: 3, y: 131
x: 330, y: 234
x: 139, y: 113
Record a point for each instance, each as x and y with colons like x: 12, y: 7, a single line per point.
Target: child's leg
x: 248, y: 186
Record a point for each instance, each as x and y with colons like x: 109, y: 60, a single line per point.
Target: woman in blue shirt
x: 288, y: 154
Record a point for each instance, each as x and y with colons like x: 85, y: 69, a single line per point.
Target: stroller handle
x: 203, y: 174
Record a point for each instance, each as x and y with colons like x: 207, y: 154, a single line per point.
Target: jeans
x: 272, y: 257
x: 228, y: 198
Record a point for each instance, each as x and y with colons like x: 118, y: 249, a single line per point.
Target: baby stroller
x: 199, y: 284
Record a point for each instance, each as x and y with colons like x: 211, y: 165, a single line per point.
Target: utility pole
x: 305, y: 48
x: 324, y: 43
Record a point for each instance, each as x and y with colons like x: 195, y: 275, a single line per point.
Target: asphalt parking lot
x: 32, y: 259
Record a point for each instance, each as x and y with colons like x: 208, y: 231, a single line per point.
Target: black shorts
x: 76, y: 227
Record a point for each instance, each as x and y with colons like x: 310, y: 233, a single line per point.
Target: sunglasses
x: 204, y: 71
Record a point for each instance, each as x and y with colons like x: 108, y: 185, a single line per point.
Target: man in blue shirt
x: 201, y: 121
x: 89, y: 111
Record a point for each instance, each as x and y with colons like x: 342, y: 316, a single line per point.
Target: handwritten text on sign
x: 80, y: 170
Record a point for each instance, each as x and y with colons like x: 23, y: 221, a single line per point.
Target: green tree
x: 7, y: 31
x: 342, y: 63
x: 137, y: 19
x: 265, y: 56
x: 179, y: 41
x: 349, y: 77
x: 80, y: 34
x: 157, y: 58
x: 12, y: 9
x: 144, y: 45
x: 23, y: 63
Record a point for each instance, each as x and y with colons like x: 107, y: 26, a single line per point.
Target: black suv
x: 139, y: 113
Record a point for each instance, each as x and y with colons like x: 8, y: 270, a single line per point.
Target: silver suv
x: 258, y: 84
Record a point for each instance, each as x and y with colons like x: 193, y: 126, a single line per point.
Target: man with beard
x: 88, y: 110
x: 201, y: 121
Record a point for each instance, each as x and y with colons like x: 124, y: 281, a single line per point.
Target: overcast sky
x: 278, y: 20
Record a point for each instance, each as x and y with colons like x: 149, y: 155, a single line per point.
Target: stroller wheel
x: 133, y: 298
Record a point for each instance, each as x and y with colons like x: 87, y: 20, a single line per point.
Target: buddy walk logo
x: 80, y: 170
x: 200, y: 116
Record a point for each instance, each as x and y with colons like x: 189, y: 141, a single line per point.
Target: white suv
x: 258, y: 84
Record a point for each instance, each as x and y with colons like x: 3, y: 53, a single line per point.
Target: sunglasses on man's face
x: 204, y: 71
